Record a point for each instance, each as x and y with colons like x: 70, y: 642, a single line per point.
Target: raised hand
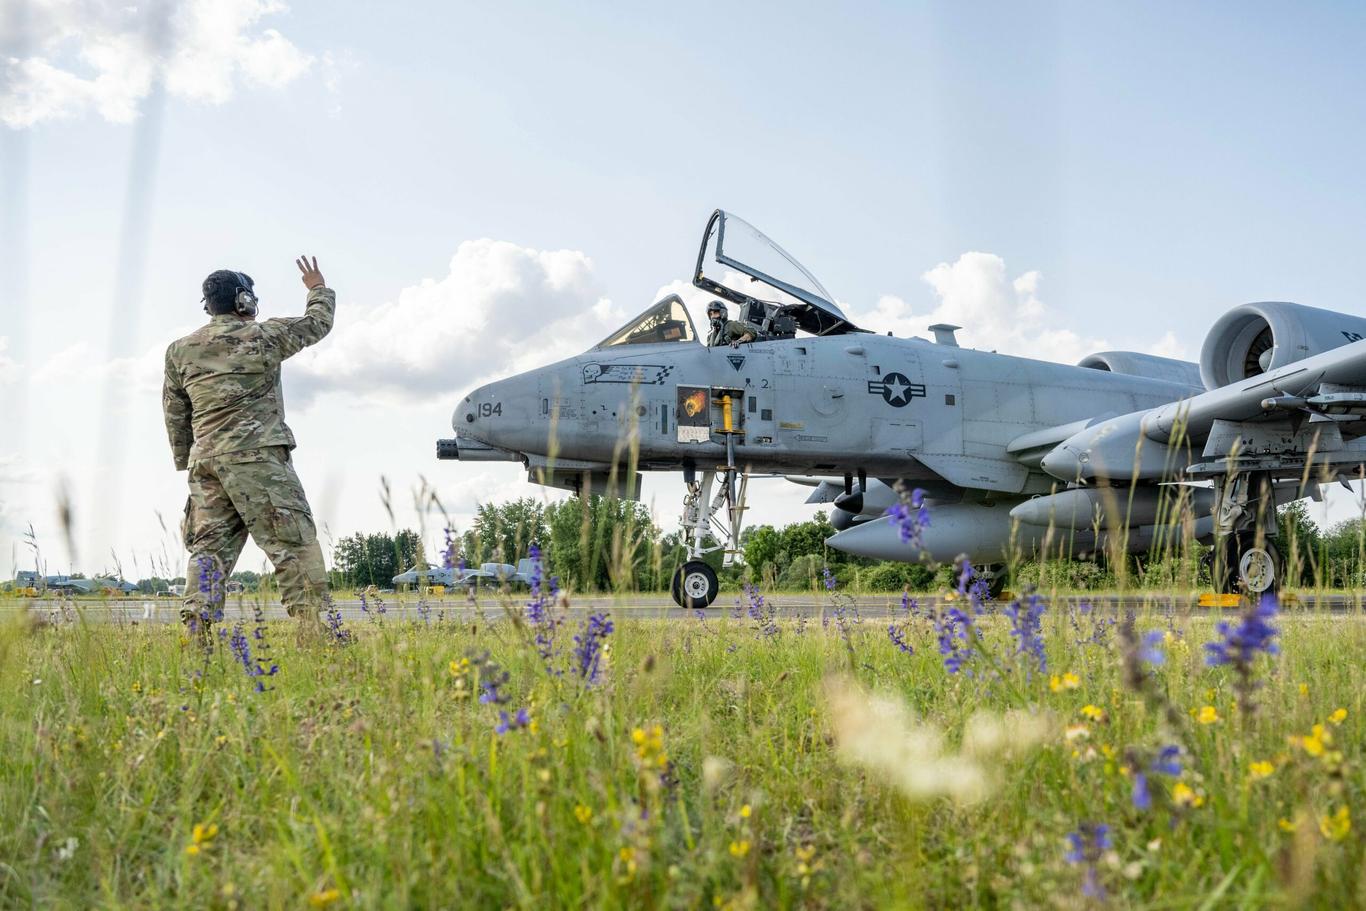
x: 312, y: 278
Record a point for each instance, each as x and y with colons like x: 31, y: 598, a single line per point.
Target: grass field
x: 738, y: 761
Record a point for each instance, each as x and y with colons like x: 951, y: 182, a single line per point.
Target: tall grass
x: 701, y: 770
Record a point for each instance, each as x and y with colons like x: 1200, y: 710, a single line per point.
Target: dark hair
x: 220, y: 290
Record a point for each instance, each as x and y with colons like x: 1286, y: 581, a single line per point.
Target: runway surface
x: 639, y: 607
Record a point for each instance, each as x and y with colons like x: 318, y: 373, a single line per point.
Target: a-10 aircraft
x: 1016, y: 456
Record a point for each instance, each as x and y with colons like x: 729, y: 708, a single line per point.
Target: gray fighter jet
x: 1016, y: 456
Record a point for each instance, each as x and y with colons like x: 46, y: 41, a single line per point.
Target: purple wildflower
x: 1150, y: 650
x: 1086, y: 846
x: 253, y: 664
x: 538, y: 609
x: 898, y: 638
x: 761, y: 612
x: 333, y: 619
x: 910, y: 515
x: 1167, y: 762
x: 1238, y: 646
x: 506, y: 722
x: 1026, y: 625
x: 953, y: 630
x: 588, y: 646
x: 492, y: 679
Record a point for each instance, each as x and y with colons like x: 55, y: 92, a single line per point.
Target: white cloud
x: 1170, y: 346
x: 996, y: 312
x: 9, y: 370
x: 500, y: 309
x: 66, y: 57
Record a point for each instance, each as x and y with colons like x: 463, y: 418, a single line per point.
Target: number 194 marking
x: 489, y: 409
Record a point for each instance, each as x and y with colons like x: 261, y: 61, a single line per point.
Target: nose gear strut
x: 695, y: 583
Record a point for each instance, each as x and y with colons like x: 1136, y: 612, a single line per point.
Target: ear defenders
x: 244, y: 303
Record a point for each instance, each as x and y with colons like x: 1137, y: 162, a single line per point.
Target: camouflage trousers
x: 254, y: 491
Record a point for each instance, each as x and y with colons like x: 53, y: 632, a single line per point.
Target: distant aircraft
x: 1016, y: 455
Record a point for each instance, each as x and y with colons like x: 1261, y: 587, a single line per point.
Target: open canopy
x: 768, y: 275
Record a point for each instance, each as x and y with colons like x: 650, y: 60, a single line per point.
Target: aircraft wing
x: 1308, y: 411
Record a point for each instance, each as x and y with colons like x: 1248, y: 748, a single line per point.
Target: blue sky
x: 1130, y: 174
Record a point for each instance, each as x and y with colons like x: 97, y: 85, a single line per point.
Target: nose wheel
x: 694, y: 585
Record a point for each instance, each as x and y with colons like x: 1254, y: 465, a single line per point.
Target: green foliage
x: 375, y: 559
x: 889, y: 576
x: 802, y: 573
x: 603, y: 544
x: 503, y: 533
x: 1063, y: 575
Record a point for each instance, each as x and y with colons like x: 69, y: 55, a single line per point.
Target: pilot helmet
x: 718, y: 308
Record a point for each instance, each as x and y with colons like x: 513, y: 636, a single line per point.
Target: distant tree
x: 762, y: 545
x: 374, y: 559
x: 1300, y: 542
x: 504, y: 533
x: 604, y: 543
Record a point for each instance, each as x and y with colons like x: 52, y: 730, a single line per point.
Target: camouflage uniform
x: 730, y: 331
x: 226, y: 421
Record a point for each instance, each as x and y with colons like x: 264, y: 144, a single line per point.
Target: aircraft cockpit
x: 775, y: 293
x: 664, y: 322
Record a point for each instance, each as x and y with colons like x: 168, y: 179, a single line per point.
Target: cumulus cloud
x: 499, y: 309
x: 63, y: 58
x: 995, y: 311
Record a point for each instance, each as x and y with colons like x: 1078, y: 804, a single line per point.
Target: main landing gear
x: 1245, y: 557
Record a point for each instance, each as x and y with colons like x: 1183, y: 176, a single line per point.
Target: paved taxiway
x: 644, y: 607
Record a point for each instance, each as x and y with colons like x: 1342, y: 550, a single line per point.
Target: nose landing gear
x: 694, y: 583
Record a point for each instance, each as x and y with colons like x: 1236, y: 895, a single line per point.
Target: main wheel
x: 694, y: 585
x: 1241, y: 566
x: 1259, y: 569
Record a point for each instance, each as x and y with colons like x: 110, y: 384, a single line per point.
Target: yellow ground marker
x: 1215, y: 599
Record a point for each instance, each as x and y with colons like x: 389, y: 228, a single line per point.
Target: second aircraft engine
x: 1134, y: 363
x: 1254, y: 338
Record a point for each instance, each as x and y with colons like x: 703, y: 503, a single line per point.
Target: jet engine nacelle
x: 1255, y: 338
x: 1134, y: 363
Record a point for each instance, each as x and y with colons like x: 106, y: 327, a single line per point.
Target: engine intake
x: 1254, y: 338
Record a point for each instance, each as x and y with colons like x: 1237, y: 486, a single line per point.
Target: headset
x: 244, y: 302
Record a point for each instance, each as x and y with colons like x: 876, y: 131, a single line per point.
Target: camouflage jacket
x: 731, y: 331
x: 222, y: 387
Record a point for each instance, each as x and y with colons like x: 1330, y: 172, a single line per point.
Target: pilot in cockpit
x: 726, y: 331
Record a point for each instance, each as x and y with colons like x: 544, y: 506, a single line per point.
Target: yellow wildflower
x: 650, y: 747
x: 1094, y: 712
x: 745, y: 811
x: 583, y: 814
x: 1259, y: 770
x: 1284, y: 824
x: 324, y: 898
x: 1207, y: 715
x: 1317, y: 741
x: 1068, y: 681
x: 1336, y: 827
x: 1338, y: 717
x: 739, y: 848
x: 1304, y: 690
x: 201, y: 837
x: 1183, y: 795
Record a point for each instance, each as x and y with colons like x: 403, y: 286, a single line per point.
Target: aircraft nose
x: 1063, y: 464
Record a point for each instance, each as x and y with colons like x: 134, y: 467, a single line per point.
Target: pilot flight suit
x: 730, y: 331
x: 225, y: 418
